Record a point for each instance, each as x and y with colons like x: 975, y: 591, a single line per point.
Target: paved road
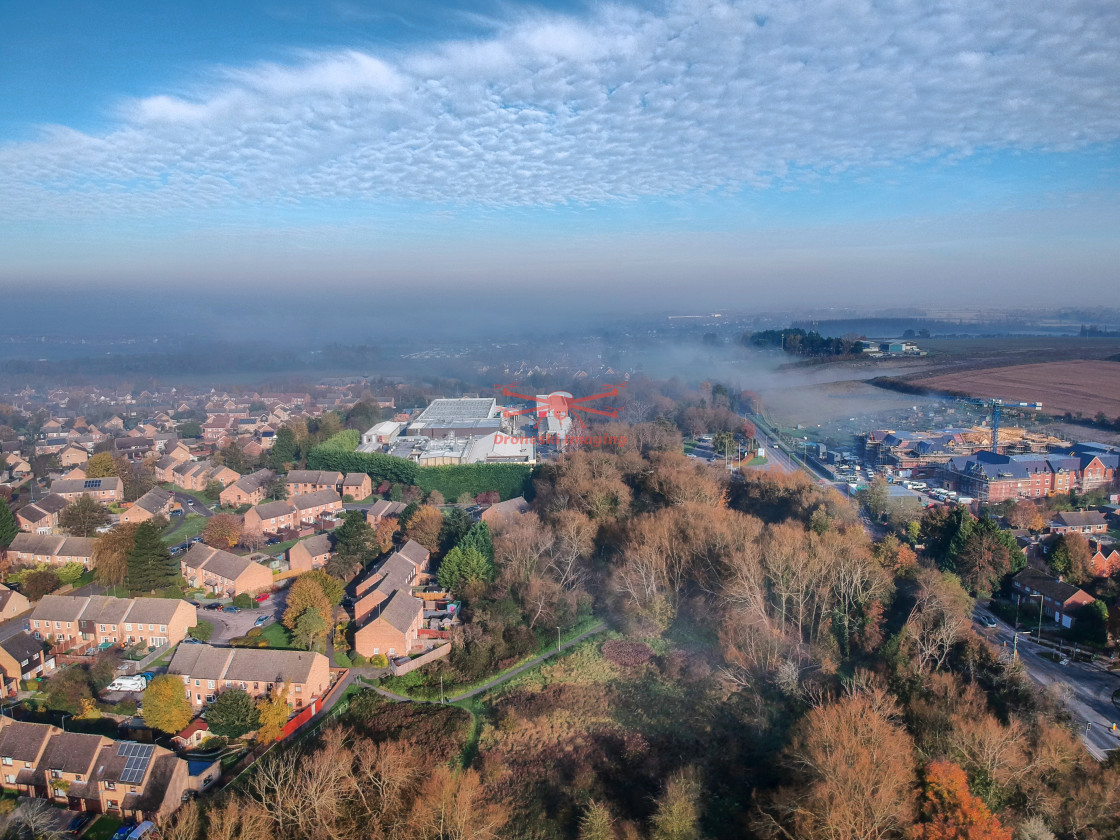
x: 1087, y: 688
x: 191, y: 504
x: 230, y: 625
x: 532, y: 663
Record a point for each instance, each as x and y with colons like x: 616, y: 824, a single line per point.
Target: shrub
x: 253, y: 632
x: 627, y: 654
x: 379, y: 660
x: 358, y: 661
x: 243, y: 601
x: 202, y: 631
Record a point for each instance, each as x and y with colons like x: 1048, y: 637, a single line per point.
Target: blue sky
x: 835, y: 151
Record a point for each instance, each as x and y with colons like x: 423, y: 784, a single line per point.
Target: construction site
x: 913, y: 450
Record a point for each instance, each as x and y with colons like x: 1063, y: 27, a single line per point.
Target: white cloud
x: 623, y: 104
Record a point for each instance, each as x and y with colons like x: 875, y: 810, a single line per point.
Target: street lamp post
x: 1040, y: 601
x: 558, y: 638
x: 63, y: 721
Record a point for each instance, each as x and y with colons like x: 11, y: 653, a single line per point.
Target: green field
x: 191, y: 526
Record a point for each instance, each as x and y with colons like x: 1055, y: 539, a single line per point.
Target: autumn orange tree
x: 222, y: 531
x: 950, y: 811
x: 424, y: 527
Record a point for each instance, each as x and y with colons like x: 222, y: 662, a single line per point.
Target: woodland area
x: 769, y: 673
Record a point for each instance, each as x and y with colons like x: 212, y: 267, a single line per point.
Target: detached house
x: 208, y: 671
x: 156, y: 502
x: 91, y: 773
x: 224, y: 573
x: 72, y: 456
x: 1079, y: 521
x: 311, y: 553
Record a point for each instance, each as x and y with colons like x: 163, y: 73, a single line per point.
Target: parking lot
x: 228, y: 625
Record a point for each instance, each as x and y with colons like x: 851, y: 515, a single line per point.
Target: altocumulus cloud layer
x: 625, y: 103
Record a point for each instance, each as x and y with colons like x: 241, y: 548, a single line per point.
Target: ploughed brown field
x: 1075, y: 386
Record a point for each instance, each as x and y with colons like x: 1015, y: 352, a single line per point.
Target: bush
x: 626, y: 654
x: 244, y: 601
x: 379, y: 660
x: 358, y: 661
x: 253, y: 632
x: 341, y: 659
x: 202, y: 631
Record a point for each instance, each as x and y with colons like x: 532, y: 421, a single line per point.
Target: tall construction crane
x: 996, y: 405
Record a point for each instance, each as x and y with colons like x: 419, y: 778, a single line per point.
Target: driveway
x: 231, y: 625
x: 191, y: 504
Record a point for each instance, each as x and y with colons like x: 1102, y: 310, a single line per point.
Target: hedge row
x: 509, y: 480
x: 345, y: 441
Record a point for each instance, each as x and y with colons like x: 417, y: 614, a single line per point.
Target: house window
x: 299, y: 689
x: 9, y: 779
x: 128, y: 627
x: 8, y: 760
x: 210, y: 684
x: 163, y: 628
x: 198, y: 682
x: 56, y: 774
x: 102, y: 628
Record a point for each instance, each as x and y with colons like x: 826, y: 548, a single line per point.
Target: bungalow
x: 41, y: 517
x: 311, y: 553
x: 1060, y: 600
x: 22, y: 658
x: 382, y: 509
x: 104, y: 490
x: 91, y: 773
x: 512, y: 507
x: 1079, y: 521
x: 93, y: 620
x: 156, y: 502
x: 312, y: 481
x: 208, y: 671
x: 248, y: 490
x: 47, y: 548
x: 224, y: 573
x: 12, y: 603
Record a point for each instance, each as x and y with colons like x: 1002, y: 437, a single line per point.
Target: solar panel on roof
x: 139, y: 756
x: 92, y: 484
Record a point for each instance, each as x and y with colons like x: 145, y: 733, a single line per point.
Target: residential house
x: 48, y: 548
x: 311, y: 506
x: 12, y: 603
x: 156, y: 502
x: 22, y: 658
x: 41, y: 517
x: 312, y: 481
x: 133, y: 448
x: 91, y: 773
x: 99, y: 620
x: 511, y: 507
x: 208, y: 671
x: 383, y: 509
x: 223, y: 573
x: 248, y: 490
x: 387, y: 615
x: 311, y: 553
x: 271, y: 517
x: 1106, y: 559
x: 72, y: 456
x: 104, y: 490
x: 1060, y: 600
x: 357, y: 485
x: 1079, y: 522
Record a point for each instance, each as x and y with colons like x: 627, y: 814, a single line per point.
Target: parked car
x: 989, y: 621
x: 230, y: 608
x: 78, y: 823
x: 190, y: 641
x: 213, y: 606
x: 123, y: 832
x: 264, y: 596
x: 261, y: 619
x: 148, y: 675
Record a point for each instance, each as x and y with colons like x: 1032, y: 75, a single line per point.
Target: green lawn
x: 103, y: 828
x: 278, y: 636
x: 191, y: 526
